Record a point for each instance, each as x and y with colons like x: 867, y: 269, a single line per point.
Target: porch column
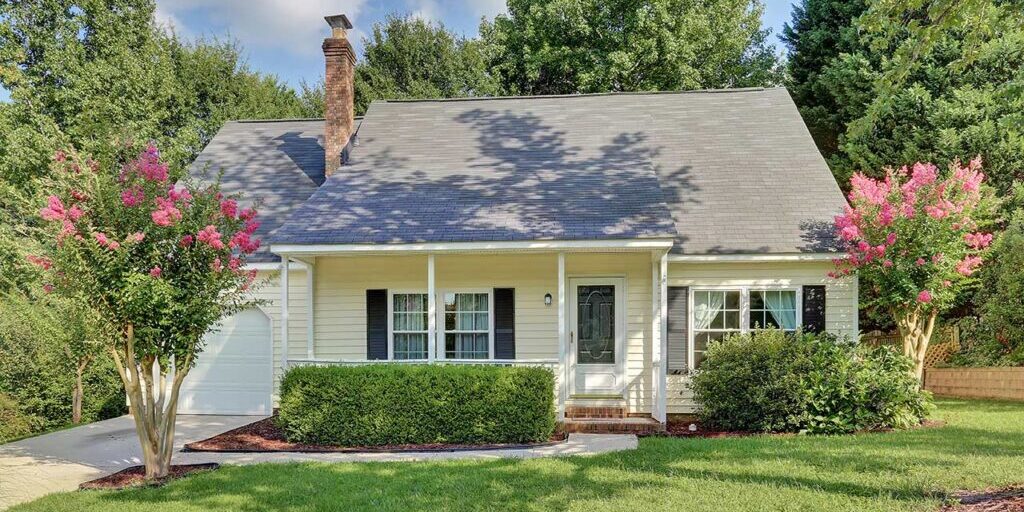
x: 310, y: 325
x: 562, y: 349
x: 431, y: 311
x: 662, y: 403
x: 284, y: 313
x: 656, y: 389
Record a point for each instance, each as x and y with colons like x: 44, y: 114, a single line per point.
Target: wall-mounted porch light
x: 547, y: 299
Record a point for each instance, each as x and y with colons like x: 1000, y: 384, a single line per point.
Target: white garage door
x: 234, y: 373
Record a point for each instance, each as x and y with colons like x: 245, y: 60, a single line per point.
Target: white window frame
x: 442, y: 345
x: 391, y: 323
x: 744, y: 309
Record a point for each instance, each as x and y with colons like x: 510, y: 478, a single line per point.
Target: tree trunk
x: 153, y: 406
x: 916, y: 329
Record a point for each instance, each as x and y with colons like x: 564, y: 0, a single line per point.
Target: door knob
x: 572, y: 337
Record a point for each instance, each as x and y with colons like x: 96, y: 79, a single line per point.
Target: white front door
x: 596, y: 335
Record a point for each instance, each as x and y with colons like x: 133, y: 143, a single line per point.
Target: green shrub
x: 769, y: 381
x: 390, y: 404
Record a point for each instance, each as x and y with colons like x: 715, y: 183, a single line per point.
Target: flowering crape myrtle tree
x: 158, y: 263
x: 914, y: 238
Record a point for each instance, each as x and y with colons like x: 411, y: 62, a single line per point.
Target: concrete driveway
x: 59, y: 461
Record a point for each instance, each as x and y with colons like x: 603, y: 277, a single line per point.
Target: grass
x: 982, y: 445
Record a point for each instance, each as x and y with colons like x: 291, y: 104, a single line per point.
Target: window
x: 773, y: 309
x: 716, y: 313
x: 467, y: 326
x: 409, y: 326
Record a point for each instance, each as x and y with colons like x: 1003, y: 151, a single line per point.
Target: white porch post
x: 662, y: 404
x: 431, y: 311
x: 310, y: 325
x: 656, y: 389
x: 562, y: 349
x: 284, y: 313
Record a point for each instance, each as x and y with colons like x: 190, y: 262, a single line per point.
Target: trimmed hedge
x: 391, y: 404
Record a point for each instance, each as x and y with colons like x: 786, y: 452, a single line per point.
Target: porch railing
x: 551, y: 364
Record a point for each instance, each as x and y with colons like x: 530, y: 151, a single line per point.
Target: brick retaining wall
x: 1006, y: 382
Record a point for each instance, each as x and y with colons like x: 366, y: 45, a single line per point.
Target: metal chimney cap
x: 338, y: 21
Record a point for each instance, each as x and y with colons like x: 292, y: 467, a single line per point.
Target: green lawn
x: 982, y: 445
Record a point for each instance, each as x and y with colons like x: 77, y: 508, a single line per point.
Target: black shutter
x: 814, y: 308
x: 376, y: 324
x: 678, y: 331
x: 504, y: 323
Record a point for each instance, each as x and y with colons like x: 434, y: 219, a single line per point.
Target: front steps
x: 607, y: 420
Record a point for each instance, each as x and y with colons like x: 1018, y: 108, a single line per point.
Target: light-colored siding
x: 840, y: 299
x: 341, y: 284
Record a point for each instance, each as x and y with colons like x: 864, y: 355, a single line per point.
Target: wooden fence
x: 997, y: 382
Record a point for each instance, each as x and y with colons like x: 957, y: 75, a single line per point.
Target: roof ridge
x: 580, y: 95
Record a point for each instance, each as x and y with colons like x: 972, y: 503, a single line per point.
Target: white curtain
x: 705, y: 312
x: 782, y: 306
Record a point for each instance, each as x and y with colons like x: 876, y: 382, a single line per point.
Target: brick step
x: 592, y: 412
x: 610, y: 426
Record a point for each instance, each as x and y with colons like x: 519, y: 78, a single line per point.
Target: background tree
x: 915, y: 240
x: 1002, y: 298
x: 582, y: 46
x: 818, y: 33
x: 95, y: 73
x: 157, y: 264
x: 408, y: 57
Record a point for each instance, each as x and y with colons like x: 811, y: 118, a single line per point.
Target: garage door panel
x: 233, y: 373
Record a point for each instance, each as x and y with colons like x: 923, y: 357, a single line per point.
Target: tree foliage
x: 910, y: 81
x: 156, y: 263
x: 585, y: 46
x: 408, y: 57
x: 94, y: 74
x: 916, y: 239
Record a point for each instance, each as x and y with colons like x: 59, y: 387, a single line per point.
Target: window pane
x: 449, y: 302
x: 732, y: 319
x: 449, y: 321
x: 410, y: 346
x: 732, y: 300
x: 719, y: 321
x: 756, y: 300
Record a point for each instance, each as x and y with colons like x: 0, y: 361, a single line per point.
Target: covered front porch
x: 594, y: 313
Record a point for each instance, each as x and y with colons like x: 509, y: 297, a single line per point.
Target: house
x: 608, y: 237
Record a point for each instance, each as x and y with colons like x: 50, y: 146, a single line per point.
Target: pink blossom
x: 247, y: 214
x: 67, y: 229
x: 229, y: 208
x: 873, y: 191
x: 176, y: 195
x: 166, y: 213
x: 920, y: 262
x: 186, y: 241
x: 48, y: 288
x: 887, y: 263
x: 968, y: 265
x: 924, y: 297
x: 935, y: 212
x: 40, y: 261
x: 947, y: 283
x: 135, y: 237
x: 78, y: 195
x: 133, y: 196
x: 249, y: 278
x: 211, y: 237
x: 75, y: 213
x: 234, y: 263
x: 890, y: 239
x: 879, y: 250
x: 60, y: 156
x: 886, y: 215
x: 908, y: 211
x: 251, y: 226
x: 937, y: 257
x: 216, y: 265
x: 863, y: 246
x: 243, y: 241
x: 101, y: 238
x: 54, y: 209
x: 155, y: 271
x: 978, y: 240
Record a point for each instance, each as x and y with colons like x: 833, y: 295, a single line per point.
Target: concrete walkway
x: 61, y: 460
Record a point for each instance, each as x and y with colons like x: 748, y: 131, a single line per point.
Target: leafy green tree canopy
x: 582, y: 46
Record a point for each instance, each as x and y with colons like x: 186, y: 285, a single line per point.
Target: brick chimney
x: 339, y: 91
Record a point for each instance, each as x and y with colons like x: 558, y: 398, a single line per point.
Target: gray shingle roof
x: 277, y: 164
x: 720, y: 171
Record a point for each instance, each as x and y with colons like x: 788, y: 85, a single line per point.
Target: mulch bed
x: 135, y: 476
x: 264, y: 436
x: 682, y: 429
x: 1008, y: 499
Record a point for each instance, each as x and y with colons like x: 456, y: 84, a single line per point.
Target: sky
x: 283, y: 37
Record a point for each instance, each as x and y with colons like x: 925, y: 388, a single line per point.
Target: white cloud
x: 489, y: 8
x: 290, y: 25
x: 428, y: 10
